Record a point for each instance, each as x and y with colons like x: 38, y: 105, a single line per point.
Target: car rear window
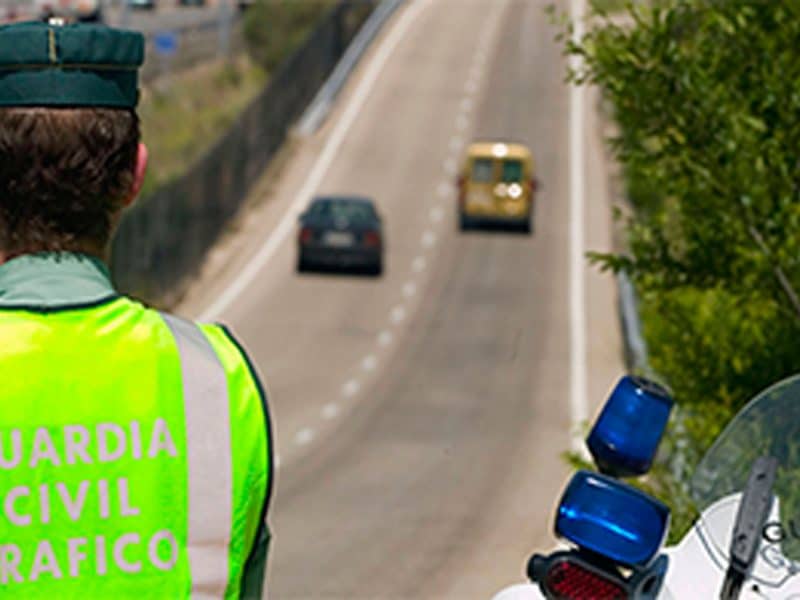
x: 512, y: 171
x: 482, y: 170
x: 342, y: 209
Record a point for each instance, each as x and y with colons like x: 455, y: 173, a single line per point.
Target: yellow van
x: 496, y: 186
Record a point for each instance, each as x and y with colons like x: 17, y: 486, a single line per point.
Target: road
x: 421, y: 417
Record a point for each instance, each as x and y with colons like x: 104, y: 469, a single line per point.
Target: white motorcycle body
x: 697, y: 565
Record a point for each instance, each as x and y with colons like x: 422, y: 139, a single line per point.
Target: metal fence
x: 164, y: 238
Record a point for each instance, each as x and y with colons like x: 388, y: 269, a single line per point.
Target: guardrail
x: 635, y: 345
x: 321, y: 105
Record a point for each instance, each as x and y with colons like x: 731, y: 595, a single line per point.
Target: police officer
x: 135, y: 450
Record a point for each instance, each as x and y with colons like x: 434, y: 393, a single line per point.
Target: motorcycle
x: 745, y: 543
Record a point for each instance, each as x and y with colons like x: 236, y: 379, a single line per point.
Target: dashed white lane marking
x: 330, y: 411
x: 304, y: 436
x: 276, y: 461
x: 351, y: 388
x: 418, y: 265
x: 398, y: 314
x: 385, y: 338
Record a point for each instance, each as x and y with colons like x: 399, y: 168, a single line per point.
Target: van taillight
x: 461, y: 187
x: 372, y: 238
x: 306, y: 235
x: 569, y: 581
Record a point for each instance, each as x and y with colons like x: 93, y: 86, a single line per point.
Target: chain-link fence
x: 164, y: 238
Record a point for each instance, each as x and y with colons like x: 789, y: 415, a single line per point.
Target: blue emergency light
x: 612, y: 519
x: 625, y: 437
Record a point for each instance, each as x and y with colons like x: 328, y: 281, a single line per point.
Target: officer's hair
x: 64, y: 174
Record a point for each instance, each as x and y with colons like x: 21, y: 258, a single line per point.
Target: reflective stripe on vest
x: 205, y: 398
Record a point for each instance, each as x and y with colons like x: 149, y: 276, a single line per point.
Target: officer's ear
x: 138, y: 174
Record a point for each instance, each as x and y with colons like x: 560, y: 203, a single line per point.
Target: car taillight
x: 306, y: 235
x: 570, y: 581
x: 372, y: 238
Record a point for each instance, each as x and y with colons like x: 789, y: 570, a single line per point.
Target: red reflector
x: 568, y: 581
x: 372, y: 239
x: 306, y: 235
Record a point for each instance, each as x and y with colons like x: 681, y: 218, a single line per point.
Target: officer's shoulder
x: 231, y: 352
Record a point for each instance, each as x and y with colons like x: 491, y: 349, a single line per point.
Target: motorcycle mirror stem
x: 751, y: 517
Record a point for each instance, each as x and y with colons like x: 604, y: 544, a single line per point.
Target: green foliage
x: 708, y: 106
x: 718, y: 349
x: 274, y: 28
x: 707, y: 100
x: 609, y: 6
x: 726, y: 346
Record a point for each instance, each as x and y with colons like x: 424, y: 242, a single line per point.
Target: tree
x: 707, y: 99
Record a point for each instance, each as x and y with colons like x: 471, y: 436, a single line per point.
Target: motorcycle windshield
x: 768, y: 426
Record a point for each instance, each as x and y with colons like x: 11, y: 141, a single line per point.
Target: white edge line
x: 320, y: 168
x: 578, y: 400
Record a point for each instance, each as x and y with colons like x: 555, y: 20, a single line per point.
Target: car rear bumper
x: 340, y: 257
x: 498, y: 209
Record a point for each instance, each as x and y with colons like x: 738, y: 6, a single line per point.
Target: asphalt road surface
x: 421, y: 416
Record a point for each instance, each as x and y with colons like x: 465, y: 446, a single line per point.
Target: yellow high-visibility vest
x: 135, y: 456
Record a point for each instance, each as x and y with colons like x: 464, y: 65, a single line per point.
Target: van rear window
x: 512, y: 171
x: 482, y: 170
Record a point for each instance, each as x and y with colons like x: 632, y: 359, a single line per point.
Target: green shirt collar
x: 50, y: 281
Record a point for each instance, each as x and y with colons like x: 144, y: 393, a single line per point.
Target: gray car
x: 342, y: 233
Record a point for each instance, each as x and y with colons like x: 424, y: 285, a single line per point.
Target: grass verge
x: 182, y: 117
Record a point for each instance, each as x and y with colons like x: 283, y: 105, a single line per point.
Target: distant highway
x: 168, y: 17
x: 164, y: 16
x: 198, y: 30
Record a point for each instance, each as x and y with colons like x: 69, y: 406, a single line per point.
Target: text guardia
x: 51, y: 502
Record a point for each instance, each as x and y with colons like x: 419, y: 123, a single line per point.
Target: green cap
x: 47, y: 64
